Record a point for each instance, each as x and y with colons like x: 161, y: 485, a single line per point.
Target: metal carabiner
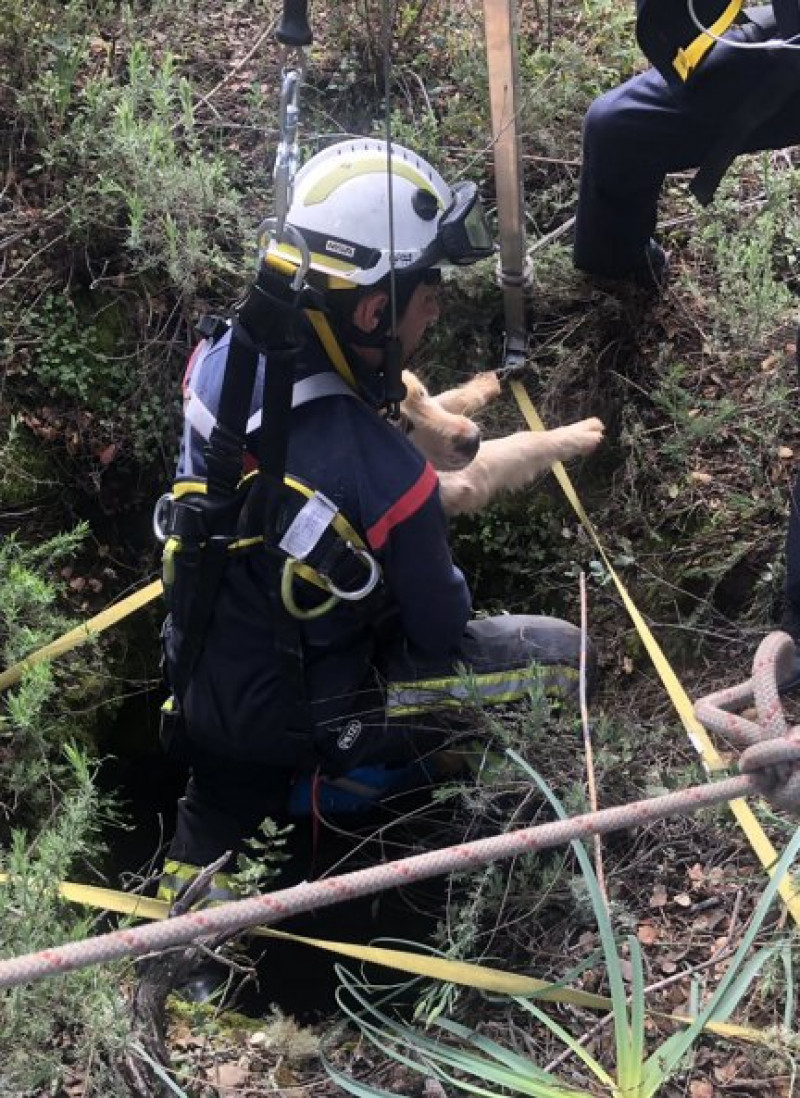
x: 372, y: 579
x: 160, y: 516
x: 285, y: 169
x: 269, y: 227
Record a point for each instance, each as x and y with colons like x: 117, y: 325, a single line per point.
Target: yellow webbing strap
x: 112, y: 614
x: 698, y: 736
x: 482, y: 977
x: 329, y: 341
x: 686, y: 60
x: 106, y: 618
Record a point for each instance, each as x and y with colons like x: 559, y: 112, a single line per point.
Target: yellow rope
x: 104, y: 620
x: 698, y: 736
x: 482, y: 977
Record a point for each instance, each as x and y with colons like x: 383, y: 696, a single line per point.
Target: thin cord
x: 387, y: 102
x: 770, y: 44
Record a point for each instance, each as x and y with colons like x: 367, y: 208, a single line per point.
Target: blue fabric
x: 344, y: 448
x: 378, y: 783
x: 637, y: 133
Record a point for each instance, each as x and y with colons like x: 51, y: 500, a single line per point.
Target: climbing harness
x: 773, y: 769
x: 207, y: 521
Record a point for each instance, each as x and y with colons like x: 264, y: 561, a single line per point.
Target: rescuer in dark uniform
x: 377, y: 676
x: 702, y: 103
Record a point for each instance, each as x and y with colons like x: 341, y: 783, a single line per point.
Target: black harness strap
x: 265, y: 325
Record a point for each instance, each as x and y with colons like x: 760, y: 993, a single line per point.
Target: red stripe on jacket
x: 408, y: 504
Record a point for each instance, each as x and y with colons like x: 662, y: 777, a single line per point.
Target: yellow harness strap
x: 319, y: 323
x: 292, y: 568
x: 686, y: 60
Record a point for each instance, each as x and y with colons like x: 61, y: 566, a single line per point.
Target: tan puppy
x: 471, y: 472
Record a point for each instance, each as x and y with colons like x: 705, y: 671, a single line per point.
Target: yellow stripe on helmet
x: 365, y: 165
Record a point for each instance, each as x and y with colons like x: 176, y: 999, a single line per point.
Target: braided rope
x: 273, y: 907
x: 771, y: 750
x: 770, y: 765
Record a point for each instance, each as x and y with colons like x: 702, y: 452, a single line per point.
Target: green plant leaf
x: 622, y: 1033
x: 570, y: 1041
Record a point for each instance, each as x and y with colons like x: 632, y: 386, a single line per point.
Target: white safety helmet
x: 341, y: 207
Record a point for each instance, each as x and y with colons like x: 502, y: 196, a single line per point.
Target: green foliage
x: 70, y: 1027
x: 74, y: 1026
x: 469, y: 1061
x: 259, y: 866
x: 69, y: 356
x: 51, y: 705
x: 24, y: 467
x: 754, y: 256
x: 140, y: 178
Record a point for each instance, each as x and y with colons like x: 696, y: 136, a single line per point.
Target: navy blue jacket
x: 343, y: 447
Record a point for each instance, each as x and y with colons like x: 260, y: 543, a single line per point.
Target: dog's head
x: 448, y: 441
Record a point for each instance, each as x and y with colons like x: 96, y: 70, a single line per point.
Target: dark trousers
x: 500, y: 659
x: 637, y: 133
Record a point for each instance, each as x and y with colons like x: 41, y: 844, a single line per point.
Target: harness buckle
x: 271, y: 226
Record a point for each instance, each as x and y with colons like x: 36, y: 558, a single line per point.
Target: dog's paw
x: 586, y: 434
x: 485, y: 386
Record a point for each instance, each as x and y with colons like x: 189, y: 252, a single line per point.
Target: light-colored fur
x: 471, y: 472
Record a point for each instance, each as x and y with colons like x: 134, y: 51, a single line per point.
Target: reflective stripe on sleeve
x: 405, y: 699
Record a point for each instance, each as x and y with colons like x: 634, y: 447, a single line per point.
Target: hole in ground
x: 300, y: 980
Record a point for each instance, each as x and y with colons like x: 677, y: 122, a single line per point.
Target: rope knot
x: 775, y: 764
x: 770, y: 749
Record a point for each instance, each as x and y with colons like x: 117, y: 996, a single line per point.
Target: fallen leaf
x: 659, y: 897
x: 701, y: 1088
x: 727, y: 1072
x: 106, y: 456
x: 230, y: 1075
x: 647, y: 934
x: 683, y: 900
x: 785, y: 452
x: 700, y: 478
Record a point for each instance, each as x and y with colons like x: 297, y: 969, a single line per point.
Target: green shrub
x: 139, y: 178
x: 73, y: 1028
x: 53, y: 703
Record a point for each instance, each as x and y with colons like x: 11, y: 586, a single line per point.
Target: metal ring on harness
x: 270, y: 226
x: 287, y: 596
x: 372, y: 579
x: 338, y: 594
x: 160, y: 516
